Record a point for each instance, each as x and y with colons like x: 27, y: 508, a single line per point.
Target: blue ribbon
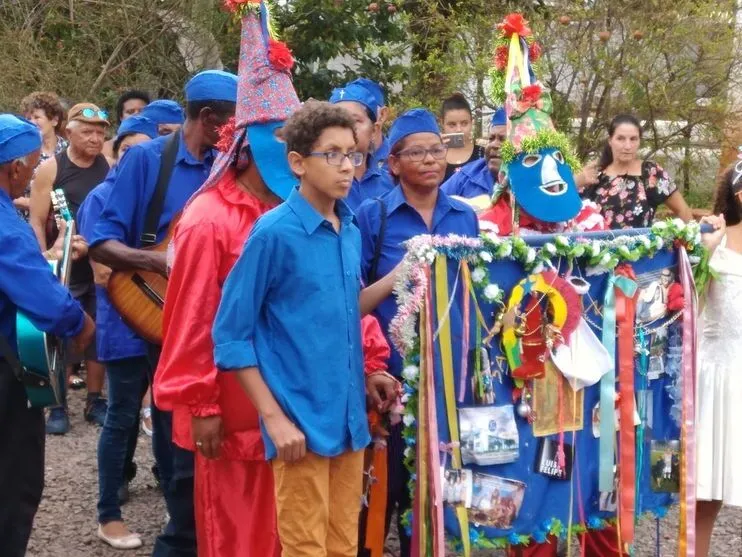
x: 608, y: 381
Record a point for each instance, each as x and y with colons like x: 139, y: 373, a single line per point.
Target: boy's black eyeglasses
x: 335, y: 158
x: 418, y: 154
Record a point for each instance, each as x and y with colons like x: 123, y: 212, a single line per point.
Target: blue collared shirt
x: 27, y: 283
x: 403, y: 222
x: 290, y: 308
x: 115, y: 339
x: 375, y: 183
x: 472, y: 180
x: 123, y: 216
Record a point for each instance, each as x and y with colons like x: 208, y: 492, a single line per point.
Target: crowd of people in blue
x: 344, y: 187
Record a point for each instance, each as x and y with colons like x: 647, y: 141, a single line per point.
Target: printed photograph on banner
x: 664, y: 461
x: 645, y: 399
x: 595, y: 418
x: 550, y: 393
x: 495, y: 501
x: 657, y: 351
x: 482, y: 377
x: 608, y: 500
x: 547, y: 459
x: 657, y: 289
x: 489, y: 435
x: 457, y: 486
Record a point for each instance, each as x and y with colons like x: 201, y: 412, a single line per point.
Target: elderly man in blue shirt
x: 28, y: 285
x: 479, y: 177
x: 370, y: 180
x: 117, y: 241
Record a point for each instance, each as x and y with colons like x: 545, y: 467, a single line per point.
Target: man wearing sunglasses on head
x: 76, y: 171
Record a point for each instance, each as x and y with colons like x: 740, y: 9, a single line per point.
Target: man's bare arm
x: 40, y: 204
x: 118, y: 256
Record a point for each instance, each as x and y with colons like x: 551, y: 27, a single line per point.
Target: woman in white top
x: 719, y: 379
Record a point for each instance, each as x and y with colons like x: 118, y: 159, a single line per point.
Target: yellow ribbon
x: 449, y: 388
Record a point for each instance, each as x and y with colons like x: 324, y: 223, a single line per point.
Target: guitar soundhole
x: 148, y: 290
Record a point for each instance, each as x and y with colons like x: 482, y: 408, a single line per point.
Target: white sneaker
x: 131, y: 541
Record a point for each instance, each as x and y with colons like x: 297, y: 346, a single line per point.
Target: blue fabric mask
x: 544, y: 186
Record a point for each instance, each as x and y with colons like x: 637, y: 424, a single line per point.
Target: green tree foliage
x: 335, y: 41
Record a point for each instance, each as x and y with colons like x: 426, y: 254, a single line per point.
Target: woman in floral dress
x: 629, y: 190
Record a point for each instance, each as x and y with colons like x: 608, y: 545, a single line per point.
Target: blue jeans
x: 176, y: 471
x: 127, y: 383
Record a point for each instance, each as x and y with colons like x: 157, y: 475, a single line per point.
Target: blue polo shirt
x: 123, y: 216
x: 472, y: 180
x: 115, y: 339
x: 27, y: 283
x: 403, y: 222
x: 290, y: 308
x: 375, y: 183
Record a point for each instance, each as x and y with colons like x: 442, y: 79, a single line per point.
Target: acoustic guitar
x: 41, y: 354
x: 139, y: 296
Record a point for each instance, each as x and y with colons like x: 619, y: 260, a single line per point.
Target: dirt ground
x: 65, y: 524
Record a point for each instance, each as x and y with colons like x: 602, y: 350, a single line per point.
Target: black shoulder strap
x: 157, y: 203
x: 373, y: 272
x: 7, y: 354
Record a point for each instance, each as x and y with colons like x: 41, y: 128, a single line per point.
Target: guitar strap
x: 7, y: 354
x: 157, y: 203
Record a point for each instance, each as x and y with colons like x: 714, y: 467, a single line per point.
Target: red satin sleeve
x: 376, y: 350
x: 186, y: 374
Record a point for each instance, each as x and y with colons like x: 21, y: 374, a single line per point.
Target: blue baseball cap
x: 499, y: 118
x: 358, y: 94
x: 18, y: 138
x: 372, y: 87
x: 137, y: 124
x: 417, y: 120
x: 163, y: 111
x: 212, y: 85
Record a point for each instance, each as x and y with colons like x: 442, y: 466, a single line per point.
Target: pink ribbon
x: 688, y: 440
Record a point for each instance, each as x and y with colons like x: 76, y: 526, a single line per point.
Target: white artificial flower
x: 661, y: 225
x: 595, y: 248
x: 605, y: 259
x: 550, y: 248
x: 408, y: 419
x: 679, y: 223
x: 530, y: 256
x: 410, y: 373
x: 539, y: 268
x: 485, y: 256
x: 624, y: 250
x: 505, y: 250
x: 478, y: 274
x: 405, y: 397
x: 562, y: 241
x: 646, y: 241
x: 660, y: 242
x: 492, y: 292
x: 407, y: 452
x: 493, y: 237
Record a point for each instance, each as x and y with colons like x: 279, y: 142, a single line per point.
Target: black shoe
x: 95, y: 410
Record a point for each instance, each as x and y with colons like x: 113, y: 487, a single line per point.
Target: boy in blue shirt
x: 289, y: 325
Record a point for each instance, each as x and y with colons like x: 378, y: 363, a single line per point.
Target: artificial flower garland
x: 542, y: 139
x: 600, y: 256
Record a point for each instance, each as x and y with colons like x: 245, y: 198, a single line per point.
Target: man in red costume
x: 234, y: 491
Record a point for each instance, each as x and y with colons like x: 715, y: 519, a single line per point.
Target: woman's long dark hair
x: 457, y: 101
x: 606, y: 156
x: 725, y: 198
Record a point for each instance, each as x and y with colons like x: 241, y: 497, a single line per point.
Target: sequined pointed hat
x: 265, y: 99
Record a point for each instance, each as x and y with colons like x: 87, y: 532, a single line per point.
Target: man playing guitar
x: 117, y: 242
